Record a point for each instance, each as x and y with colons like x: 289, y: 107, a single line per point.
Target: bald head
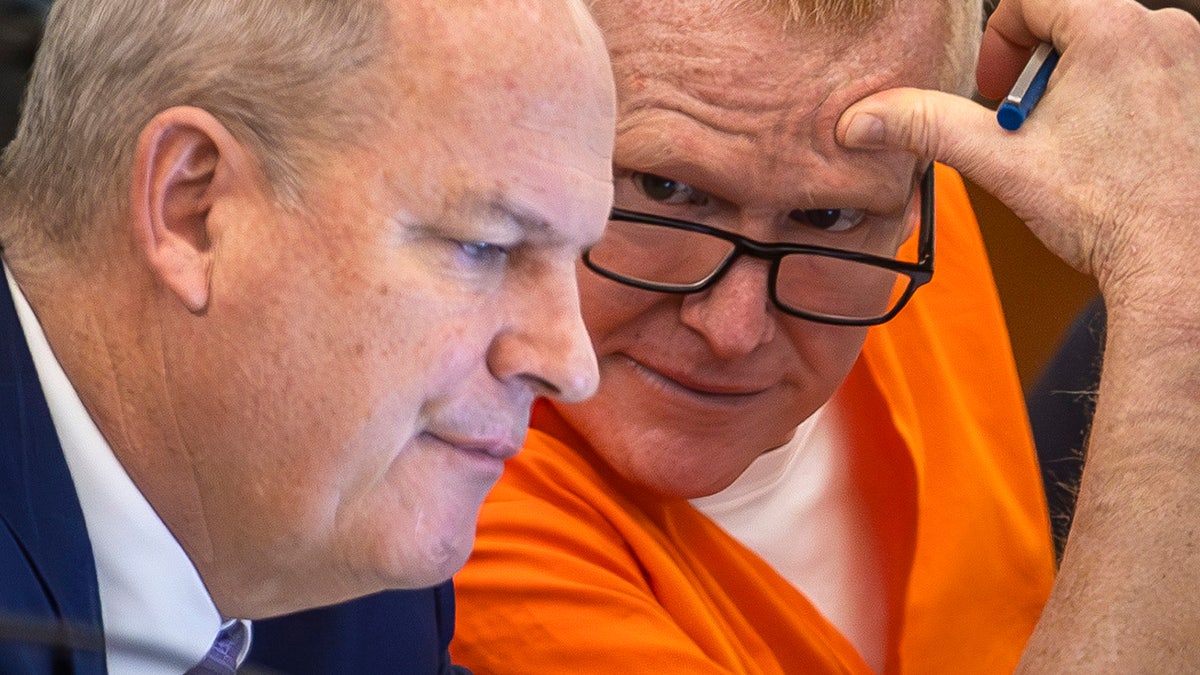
x: 507, y: 65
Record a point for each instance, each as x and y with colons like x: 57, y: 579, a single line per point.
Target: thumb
x: 932, y: 124
x: 1024, y: 169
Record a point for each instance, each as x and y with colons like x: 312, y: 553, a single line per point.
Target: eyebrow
x: 494, y: 212
x: 529, y: 222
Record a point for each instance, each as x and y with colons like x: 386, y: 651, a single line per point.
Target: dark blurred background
x: 20, y: 28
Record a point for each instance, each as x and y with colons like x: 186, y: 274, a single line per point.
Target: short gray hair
x: 274, y: 72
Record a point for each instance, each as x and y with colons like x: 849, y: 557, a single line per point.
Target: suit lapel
x: 37, y: 496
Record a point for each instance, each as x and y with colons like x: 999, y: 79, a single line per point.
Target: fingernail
x: 864, y: 131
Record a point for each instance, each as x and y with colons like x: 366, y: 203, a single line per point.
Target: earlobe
x: 181, y: 154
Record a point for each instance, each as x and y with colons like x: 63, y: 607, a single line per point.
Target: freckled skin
x: 741, y: 110
x: 327, y: 426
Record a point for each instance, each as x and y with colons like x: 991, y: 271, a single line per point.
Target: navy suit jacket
x: 48, y: 575
x: 392, y: 632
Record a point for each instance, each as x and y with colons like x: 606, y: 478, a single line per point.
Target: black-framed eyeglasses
x: 818, y: 283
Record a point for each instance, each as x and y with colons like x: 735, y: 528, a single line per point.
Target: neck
x: 107, y: 332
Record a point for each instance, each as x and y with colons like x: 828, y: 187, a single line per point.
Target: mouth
x: 710, y: 391
x: 498, y: 447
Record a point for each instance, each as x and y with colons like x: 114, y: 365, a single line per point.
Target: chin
x: 446, y: 557
x: 682, y: 487
x: 664, y: 475
x: 421, y: 565
x: 438, y: 547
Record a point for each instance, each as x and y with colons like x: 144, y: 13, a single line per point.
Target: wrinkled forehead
x: 737, y: 76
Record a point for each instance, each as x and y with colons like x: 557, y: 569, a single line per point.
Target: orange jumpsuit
x: 576, y: 571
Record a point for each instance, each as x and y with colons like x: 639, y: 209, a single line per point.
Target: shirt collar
x: 151, y: 597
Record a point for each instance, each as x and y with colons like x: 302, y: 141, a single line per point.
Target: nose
x: 546, y: 343
x: 735, y: 316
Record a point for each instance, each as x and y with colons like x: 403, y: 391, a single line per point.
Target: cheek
x: 609, y: 307
x: 420, y: 337
x: 824, y: 355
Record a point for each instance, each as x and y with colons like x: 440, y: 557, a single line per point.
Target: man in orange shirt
x: 763, y: 484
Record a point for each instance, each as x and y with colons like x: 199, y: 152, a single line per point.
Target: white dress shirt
x: 151, y: 597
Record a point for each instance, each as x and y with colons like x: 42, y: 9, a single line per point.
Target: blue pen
x: 1029, y: 88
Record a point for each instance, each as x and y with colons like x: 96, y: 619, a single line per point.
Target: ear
x: 186, y: 162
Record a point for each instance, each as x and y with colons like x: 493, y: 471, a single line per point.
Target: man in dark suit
x: 281, y: 280
x: 47, y: 567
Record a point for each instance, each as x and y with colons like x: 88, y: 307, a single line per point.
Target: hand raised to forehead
x: 1104, y: 171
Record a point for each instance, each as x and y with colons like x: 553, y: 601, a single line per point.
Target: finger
x: 1021, y: 23
x: 1007, y: 43
x: 931, y: 124
x: 1000, y: 63
x: 965, y: 135
x: 1017, y: 26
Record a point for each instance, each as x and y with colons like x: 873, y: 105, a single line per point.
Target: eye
x: 668, y: 191
x: 482, y: 253
x: 829, y: 220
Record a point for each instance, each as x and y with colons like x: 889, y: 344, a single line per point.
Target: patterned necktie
x: 222, y: 657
